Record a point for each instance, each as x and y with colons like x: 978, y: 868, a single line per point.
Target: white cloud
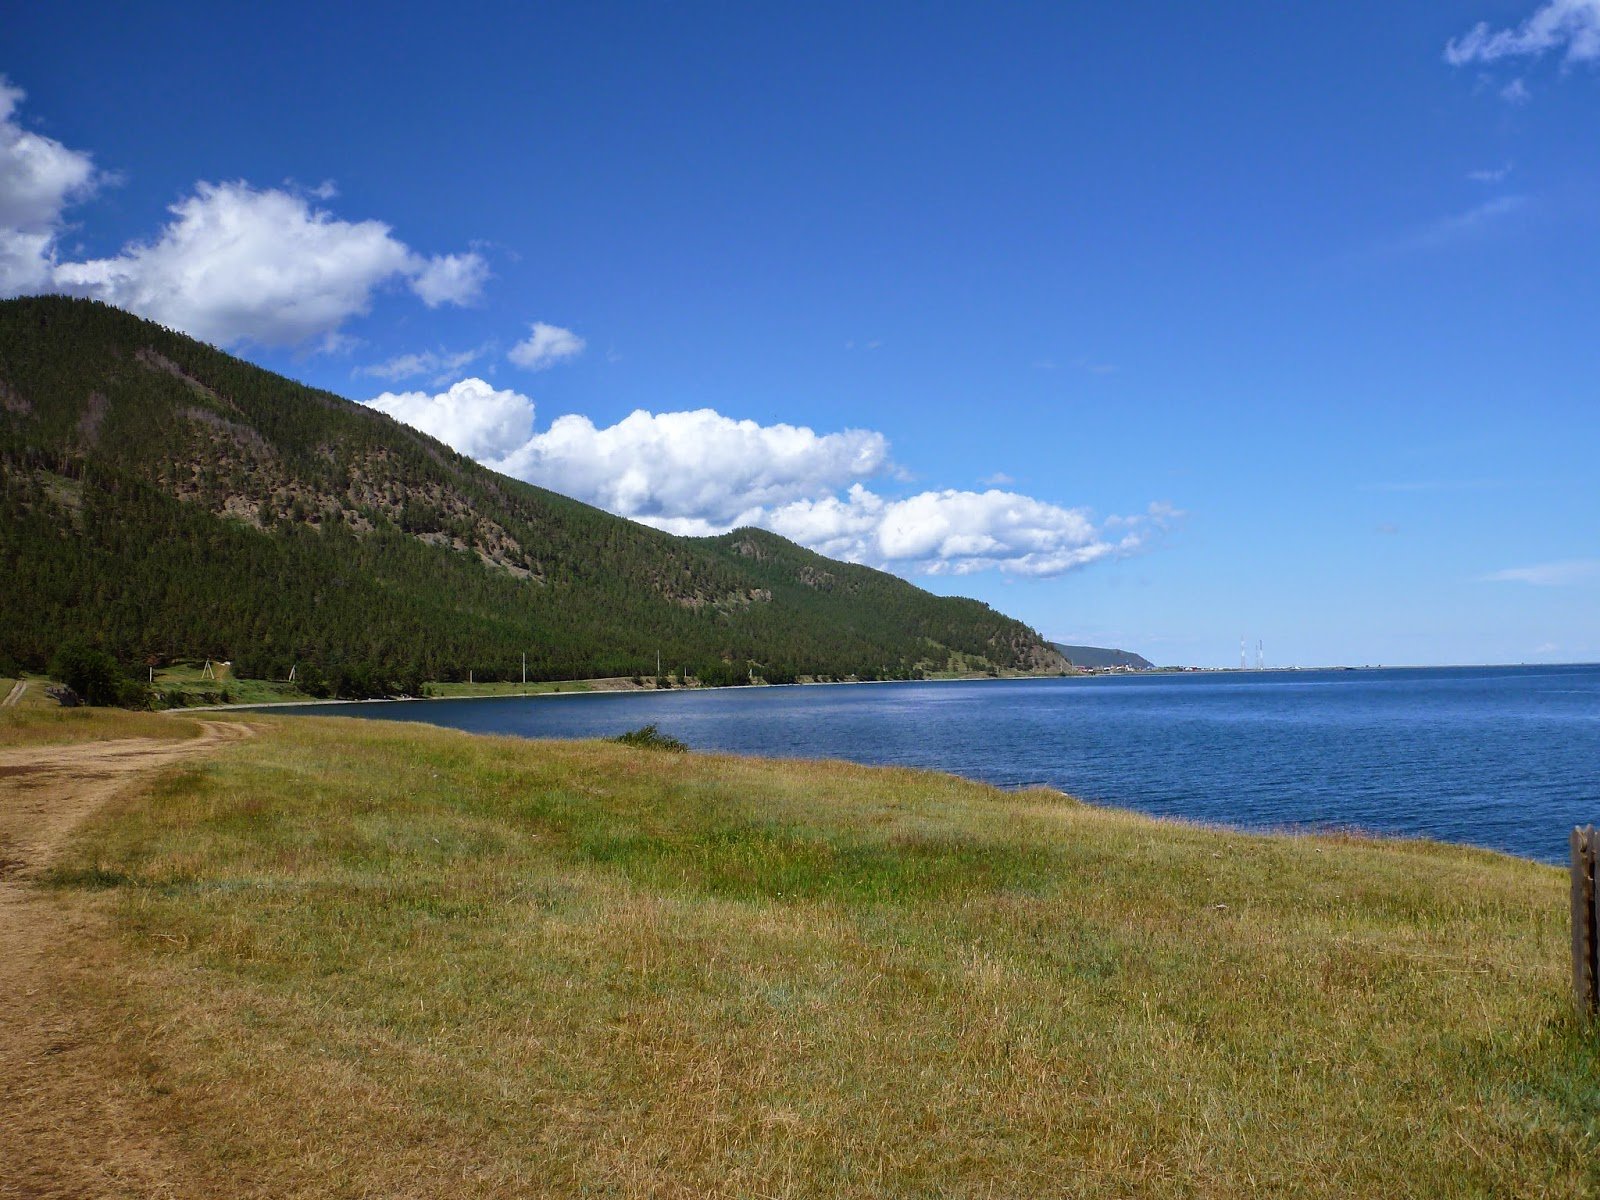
x: 472, y: 417
x: 946, y: 532
x: 241, y: 264
x: 1572, y: 25
x: 449, y: 279
x: 1516, y: 92
x: 39, y: 179
x: 439, y: 365
x: 695, y: 466
x: 1554, y: 574
x: 1490, y: 175
x: 235, y: 263
x: 545, y: 346
x: 700, y: 473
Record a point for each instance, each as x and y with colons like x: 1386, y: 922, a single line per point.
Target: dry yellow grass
x: 366, y: 959
x: 31, y: 724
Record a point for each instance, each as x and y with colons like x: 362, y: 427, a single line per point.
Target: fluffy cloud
x: 960, y: 532
x: 235, y: 263
x: 545, y: 346
x: 240, y: 264
x: 449, y: 278
x: 472, y: 417
x: 1573, y: 25
x: 699, y: 473
x: 39, y: 178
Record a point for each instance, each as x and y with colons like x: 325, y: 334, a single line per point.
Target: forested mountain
x: 163, y: 499
x: 1101, y: 656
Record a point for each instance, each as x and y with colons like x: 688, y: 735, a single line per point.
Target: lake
x: 1502, y: 757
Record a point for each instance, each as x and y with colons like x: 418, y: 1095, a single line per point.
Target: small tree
x: 94, y: 675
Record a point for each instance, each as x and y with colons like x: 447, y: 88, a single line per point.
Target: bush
x: 95, y: 676
x: 649, y: 738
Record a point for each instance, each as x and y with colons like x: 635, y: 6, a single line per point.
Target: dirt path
x: 16, y: 693
x: 66, y: 1129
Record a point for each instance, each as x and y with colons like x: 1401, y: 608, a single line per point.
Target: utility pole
x: 524, y: 668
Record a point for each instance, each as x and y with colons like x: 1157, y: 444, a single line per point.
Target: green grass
x: 458, y: 691
x: 188, y: 681
x: 374, y: 960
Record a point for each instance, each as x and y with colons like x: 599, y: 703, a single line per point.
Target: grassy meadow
x: 47, y: 723
x: 185, y: 684
x: 359, y: 959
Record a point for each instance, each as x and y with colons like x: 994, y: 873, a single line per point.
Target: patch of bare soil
x: 74, y: 1118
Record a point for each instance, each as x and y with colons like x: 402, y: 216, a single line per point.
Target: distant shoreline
x: 578, y: 690
x: 582, y: 691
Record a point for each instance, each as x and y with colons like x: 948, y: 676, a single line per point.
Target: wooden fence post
x: 1585, y: 909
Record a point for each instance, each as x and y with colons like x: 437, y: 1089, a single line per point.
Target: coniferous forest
x: 160, y: 499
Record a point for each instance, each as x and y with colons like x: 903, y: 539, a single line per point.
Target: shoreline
x: 577, y: 690
x: 630, y: 691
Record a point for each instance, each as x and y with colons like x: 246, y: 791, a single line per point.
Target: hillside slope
x: 1101, y: 656
x: 162, y: 498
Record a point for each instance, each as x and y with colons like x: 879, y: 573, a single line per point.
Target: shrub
x: 650, y: 738
x: 95, y: 676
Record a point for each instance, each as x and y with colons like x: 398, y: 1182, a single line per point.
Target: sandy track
x: 65, y: 1128
x: 15, y: 694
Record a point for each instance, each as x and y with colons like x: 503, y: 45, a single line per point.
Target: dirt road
x: 66, y: 1129
x: 15, y: 694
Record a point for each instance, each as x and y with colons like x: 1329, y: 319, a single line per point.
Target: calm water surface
x: 1503, y: 757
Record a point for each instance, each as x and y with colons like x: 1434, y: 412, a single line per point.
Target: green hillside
x: 164, y: 499
x: 1102, y: 656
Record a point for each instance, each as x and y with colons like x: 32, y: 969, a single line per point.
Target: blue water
x: 1502, y: 757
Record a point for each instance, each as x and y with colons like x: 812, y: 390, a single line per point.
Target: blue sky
x: 1153, y: 325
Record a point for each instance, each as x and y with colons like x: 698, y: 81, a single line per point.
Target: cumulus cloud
x: 699, y: 473
x: 473, y: 417
x: 545, y: 346
x: 234, y: 263
x: 1569, y: 25
x: 947, y: 532
x: 700, y: 469
x: 1553, y: 574
x: 237, y: 263
x: 39, y: 179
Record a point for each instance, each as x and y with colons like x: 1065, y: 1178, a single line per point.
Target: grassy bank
x: 462, y: 691
x: 361, y: 959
